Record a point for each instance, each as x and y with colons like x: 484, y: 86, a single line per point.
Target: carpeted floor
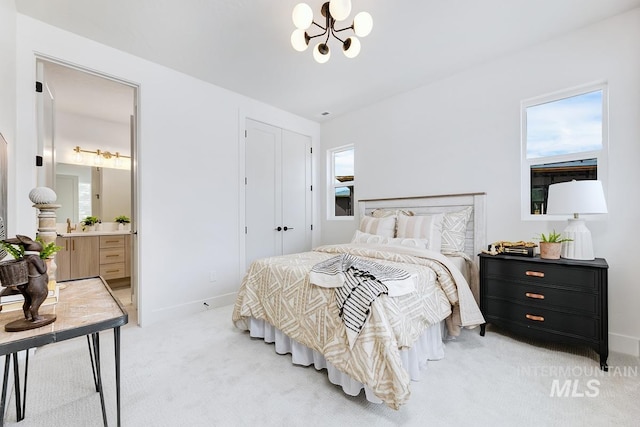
x: 201, y: 371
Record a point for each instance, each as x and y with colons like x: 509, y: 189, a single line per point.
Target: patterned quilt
x: 278, y: 291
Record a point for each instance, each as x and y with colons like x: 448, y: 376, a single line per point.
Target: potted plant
x: 551, y: 245
x: 122, y: 220
x: 48, y: 249
x: 89, y: 223
x: 14, y: 272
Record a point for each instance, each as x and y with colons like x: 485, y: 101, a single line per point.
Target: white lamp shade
x: 576, y: 197
x: 319, y: 57
x: 354, y: 48
x: 340, y: 9
x: 362, y: 24
x: 302, y: 16
x: 298, y: 40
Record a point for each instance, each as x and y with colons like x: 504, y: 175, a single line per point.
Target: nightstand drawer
x: 551, y: 320
x: 543, y: 296
x: 536, y: 272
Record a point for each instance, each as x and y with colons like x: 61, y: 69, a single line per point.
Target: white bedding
x: 429, y: 346
x: 277, y: 290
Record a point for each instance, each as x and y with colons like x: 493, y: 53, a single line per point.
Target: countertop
x: 94, y: 233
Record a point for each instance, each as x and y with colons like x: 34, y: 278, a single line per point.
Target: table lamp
x: 576, y: 197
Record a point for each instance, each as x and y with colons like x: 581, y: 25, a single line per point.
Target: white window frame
x: 332, y: 185
x: 600, y: 155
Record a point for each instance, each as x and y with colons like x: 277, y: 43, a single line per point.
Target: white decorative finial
x: 42, y: 196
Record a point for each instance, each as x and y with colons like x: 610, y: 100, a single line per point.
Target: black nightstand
x: 555, y: 300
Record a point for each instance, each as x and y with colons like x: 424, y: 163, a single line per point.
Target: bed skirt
x: 429, y: 346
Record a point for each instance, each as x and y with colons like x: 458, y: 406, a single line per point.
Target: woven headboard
x: 475, y: 239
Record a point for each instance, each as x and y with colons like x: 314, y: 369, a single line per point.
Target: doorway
x: 87, y: 137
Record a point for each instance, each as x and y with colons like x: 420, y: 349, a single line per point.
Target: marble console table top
x: 84, y: 306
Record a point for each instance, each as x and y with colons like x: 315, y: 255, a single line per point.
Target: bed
x: 426, y: 245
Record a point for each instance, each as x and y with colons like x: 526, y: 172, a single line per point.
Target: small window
x: 341, y: 173
x: 564, y: 137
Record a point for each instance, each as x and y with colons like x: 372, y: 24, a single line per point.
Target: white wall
x: 462, y: 134
x: 8, y: 95
x: 190, y: 199
x: 89, y: 133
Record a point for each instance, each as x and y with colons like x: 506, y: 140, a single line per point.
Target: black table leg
x: 116, y: 345
x: 96, y: 350
x: 24, y: 392
x: 16, y: 385
x: 7, y: 360
x: 21, y: 399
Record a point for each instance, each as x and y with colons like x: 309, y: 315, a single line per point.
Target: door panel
x: 262, y: 201
x: 296, y: 192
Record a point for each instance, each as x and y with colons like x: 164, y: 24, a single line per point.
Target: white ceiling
x: 77, y: 92
x: 243, y: 45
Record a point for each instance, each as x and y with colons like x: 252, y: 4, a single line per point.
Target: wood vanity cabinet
x: 113, y: 256
x: 78, y: 258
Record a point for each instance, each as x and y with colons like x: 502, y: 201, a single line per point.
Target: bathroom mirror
x: 88, y: 190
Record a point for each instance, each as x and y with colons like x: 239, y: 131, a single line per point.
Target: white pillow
x: 409, y: 242
x: 380, y: 226
x: 360, y: 237
x: 454, y: 230
x: 422, y: 227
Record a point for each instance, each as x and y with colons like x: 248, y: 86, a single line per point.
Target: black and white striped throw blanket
x: 358, y: 283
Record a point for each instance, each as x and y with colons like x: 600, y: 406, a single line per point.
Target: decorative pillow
x: 380, y: 226
x: 454, y: 230
x: 409, y: 242
x: 422, y: 227
x: 360, y: 237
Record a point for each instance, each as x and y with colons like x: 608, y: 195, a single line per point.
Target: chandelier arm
x: 350, y: 27
x: 337, y: 38
x: 319, y: 26
x: 330, y: 22
x: 317, y: 35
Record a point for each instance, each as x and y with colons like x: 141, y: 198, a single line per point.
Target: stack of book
x: 12, y: 300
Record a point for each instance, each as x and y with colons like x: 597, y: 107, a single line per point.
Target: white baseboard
x: 192, y: 307
x: 624, y: 344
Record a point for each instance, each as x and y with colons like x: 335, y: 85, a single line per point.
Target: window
x: 564, y: 137
x: 341, y: 174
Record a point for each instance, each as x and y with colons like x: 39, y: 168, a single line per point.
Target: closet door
x: 277, y: 192
x: 263, y: 214
x: 296, y: 192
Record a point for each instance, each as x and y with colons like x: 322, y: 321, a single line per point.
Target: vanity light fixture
x: 332, y: 11
x: 100, y: 156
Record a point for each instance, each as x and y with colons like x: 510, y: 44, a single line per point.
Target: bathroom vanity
x: 94, y: 253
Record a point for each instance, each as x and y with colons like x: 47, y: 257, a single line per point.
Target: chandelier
x: 332, y: 11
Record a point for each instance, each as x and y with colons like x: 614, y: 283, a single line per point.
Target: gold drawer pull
x: 112, y: 271
x: 536, y: 318
x: 111, y: 256
x: 112, y: 241
x: 534, y: 273
x: 535, y: 296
